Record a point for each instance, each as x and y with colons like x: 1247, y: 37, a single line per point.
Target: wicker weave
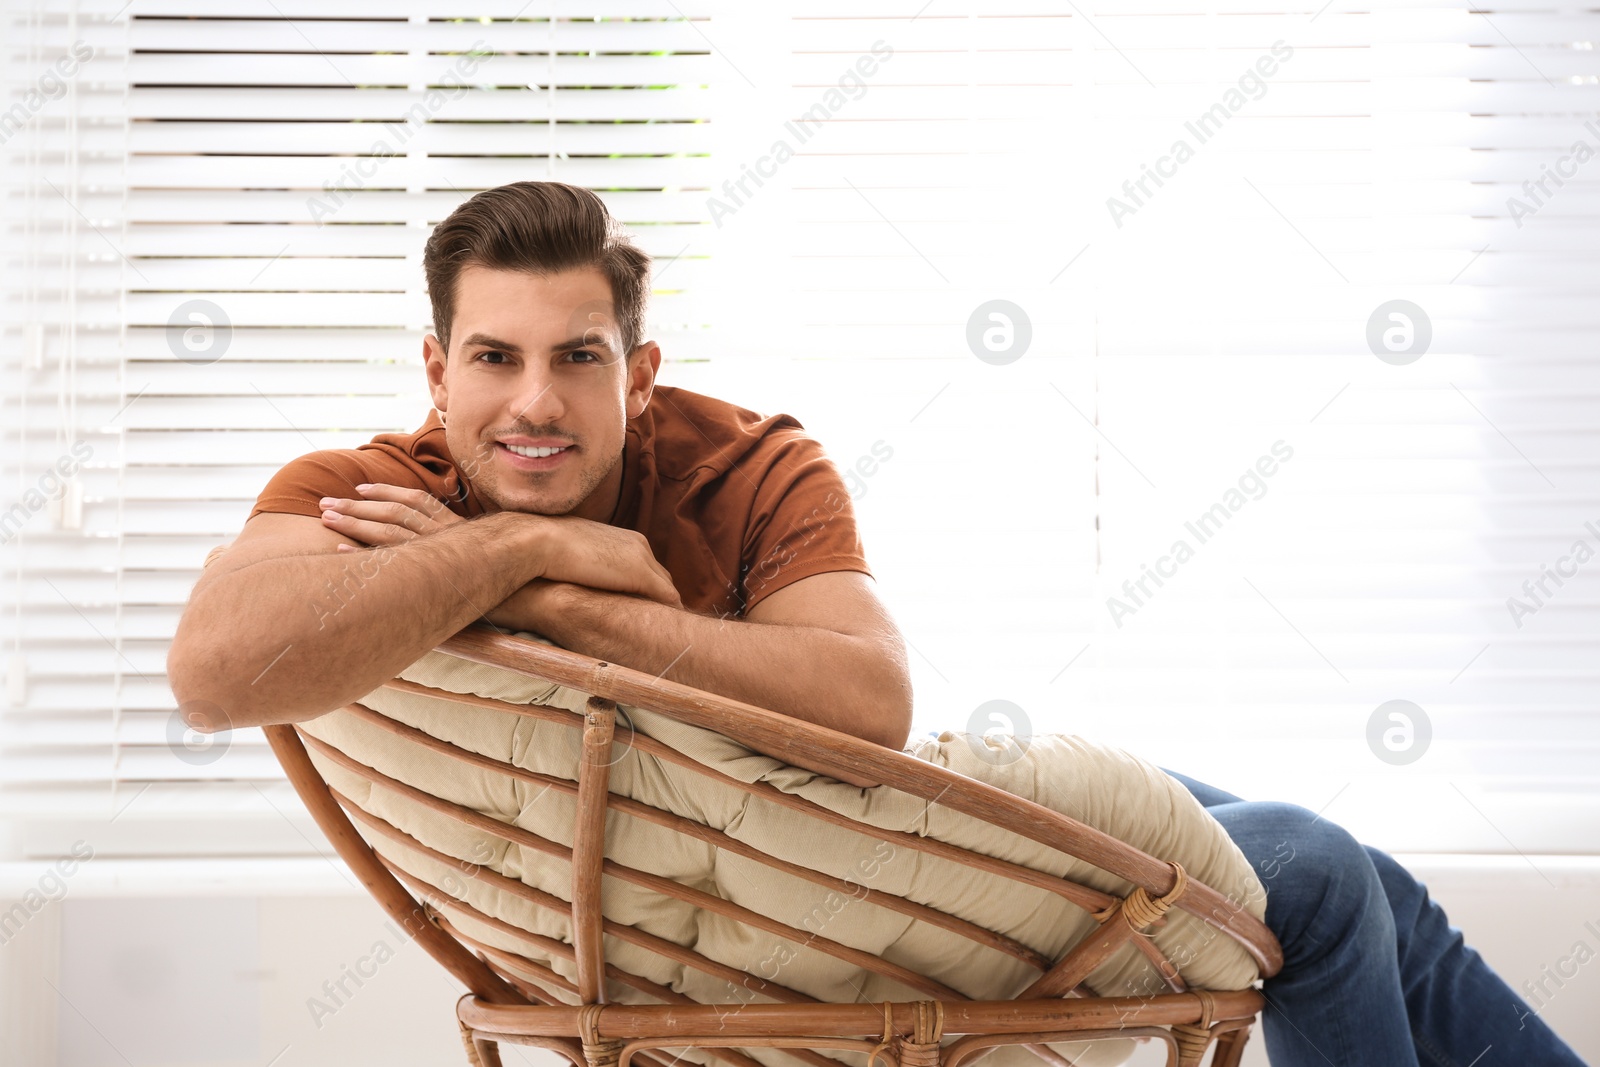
x: 504, y: 1005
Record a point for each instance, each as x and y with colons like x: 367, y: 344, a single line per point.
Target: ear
x: 434, y: 364
x: 643, y: 363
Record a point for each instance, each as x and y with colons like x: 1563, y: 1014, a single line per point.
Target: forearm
x: 840, y: 681
x: 289, y: 638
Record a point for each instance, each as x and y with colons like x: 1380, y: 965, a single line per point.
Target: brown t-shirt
x: 735, y: 505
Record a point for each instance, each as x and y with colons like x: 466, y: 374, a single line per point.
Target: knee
x: 1299, y: 834
x: 1400, y: 885
x: 1417, y: 919
x: 1317, y: 876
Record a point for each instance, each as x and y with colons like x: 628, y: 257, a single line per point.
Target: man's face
x: 535, y: 362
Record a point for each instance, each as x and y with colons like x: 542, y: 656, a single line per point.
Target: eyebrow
x: 485, y: 341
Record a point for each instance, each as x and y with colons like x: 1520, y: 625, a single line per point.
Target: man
x: 558, y: 490
x: 578, y: 475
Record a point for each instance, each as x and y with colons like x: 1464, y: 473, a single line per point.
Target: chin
x: 532, y: 506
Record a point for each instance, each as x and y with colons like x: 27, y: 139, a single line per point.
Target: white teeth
x: 535, y: 452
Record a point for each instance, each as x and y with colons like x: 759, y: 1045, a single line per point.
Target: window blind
x: 214, y: 236
x: 1053, y: 283
x: 1308, y: 394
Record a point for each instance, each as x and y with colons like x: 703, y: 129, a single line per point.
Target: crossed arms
x: 302, y: 615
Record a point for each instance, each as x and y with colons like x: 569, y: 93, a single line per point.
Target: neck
x: 602, y: 504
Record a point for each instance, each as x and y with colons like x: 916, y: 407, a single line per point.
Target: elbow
x: 900, y: 701
x: 893, y: 719
x: 188, y: 678
x: 885, y: 678
x: 900, y: 731
x: 211, y: 699
x: 224, y: 679
x: 204, y: 717
x: 893, y: 740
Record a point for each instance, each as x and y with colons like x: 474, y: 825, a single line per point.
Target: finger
x: 393, y: 513
x: 381, y: 511
x: 366, y: 531
x: 416, y: 499
x: 667, y: 593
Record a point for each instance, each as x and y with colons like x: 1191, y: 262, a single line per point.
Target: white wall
x: 224, y: 981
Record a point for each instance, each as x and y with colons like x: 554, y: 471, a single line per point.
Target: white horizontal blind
x: 252, y: 185
x: 895, y: 157
x: 877, y: 178
x: 1341, y: 268
x: 1199, y: 210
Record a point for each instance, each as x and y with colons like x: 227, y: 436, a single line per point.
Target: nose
x: 537, y: 397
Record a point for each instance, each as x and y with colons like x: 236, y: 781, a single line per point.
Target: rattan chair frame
x: 513, y: 999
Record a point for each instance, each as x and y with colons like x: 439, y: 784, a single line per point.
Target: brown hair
x: 541, y: 228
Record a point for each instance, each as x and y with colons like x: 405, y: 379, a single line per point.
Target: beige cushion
x: 1127, y: 797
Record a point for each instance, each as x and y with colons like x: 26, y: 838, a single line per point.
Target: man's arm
x: 283, y: 627
x: 822, y: 649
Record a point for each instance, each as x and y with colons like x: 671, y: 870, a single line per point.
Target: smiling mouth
x: 533, y: 460
x: 535, y: 453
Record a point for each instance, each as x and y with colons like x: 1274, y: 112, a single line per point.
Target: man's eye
x: 594, y: 357
x: 490, y: 352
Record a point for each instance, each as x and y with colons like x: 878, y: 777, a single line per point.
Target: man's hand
x: 524, y: 609
x: 387, y: 515
x: 575, y: 550
x: 601, y: 556
x: 822, y: 649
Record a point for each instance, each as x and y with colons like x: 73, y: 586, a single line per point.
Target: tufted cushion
x: 1111, y: 790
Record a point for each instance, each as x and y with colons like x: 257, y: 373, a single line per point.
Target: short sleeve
x: 298, y: 488
x: 802, y: 522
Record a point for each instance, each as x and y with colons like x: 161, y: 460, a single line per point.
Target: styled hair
x: 541, y: 228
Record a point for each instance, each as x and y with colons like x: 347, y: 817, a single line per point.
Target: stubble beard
x: 515, y: 496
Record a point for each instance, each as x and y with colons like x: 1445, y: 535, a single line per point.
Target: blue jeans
x: 1373, y: 973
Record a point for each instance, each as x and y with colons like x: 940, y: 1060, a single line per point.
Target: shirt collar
x: 626, y: 513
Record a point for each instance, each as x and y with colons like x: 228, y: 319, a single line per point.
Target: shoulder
x: 416, y: 460
x: 325, y: 465
x: 398, y: 458
x: 691, y: 433
x: 423, y: 447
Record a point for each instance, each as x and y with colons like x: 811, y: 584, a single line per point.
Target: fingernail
x: 326, y: 501
x: 364, y: 487
x: 330, y: 514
